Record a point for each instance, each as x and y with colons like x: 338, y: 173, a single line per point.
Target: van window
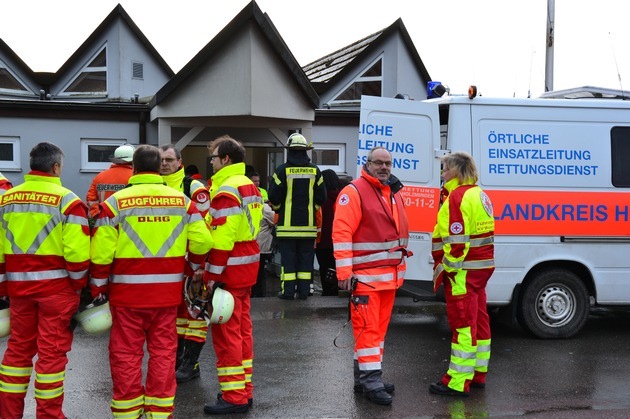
x: 620, y: 150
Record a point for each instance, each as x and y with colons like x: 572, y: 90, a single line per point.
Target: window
x: 330, y: 156
x: 9, y: 83
x: 10, y: 154
x: 92, y: 79
x: 96, y: 153
x: 369, y: 83
x: 620, y: 150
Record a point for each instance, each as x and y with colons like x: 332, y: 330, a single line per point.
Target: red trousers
x: 469, y: 321
x: 131, y: 327
x: 40, y: 325
x: 371, y: 312
x: 189, y: 328
x: 234, y: 347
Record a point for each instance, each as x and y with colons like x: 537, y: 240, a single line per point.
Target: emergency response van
x: 558, y: 174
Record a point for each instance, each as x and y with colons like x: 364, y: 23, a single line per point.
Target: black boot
x: 190, y: 365
x: 179, y: 357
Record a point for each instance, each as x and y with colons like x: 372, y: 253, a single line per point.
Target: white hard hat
x: 5, y: 322
x: 95, y: 318
x: 124, y: 153
x: 222, y: 306
x: 297, y: 140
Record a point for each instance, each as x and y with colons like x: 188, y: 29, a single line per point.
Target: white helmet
x: 222, y: 306
x: 95, y: 317
x: 5, y: 319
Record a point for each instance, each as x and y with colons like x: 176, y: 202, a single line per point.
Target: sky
x: 497, y: 45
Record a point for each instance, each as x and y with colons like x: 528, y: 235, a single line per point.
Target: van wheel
x: 554, y: 304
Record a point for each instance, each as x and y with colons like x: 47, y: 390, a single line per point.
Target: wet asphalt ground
x: 299, y: 373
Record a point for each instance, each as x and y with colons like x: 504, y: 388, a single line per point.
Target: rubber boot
x: 189, y: 369
x: 180, y: 353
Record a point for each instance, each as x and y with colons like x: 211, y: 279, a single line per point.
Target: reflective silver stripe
x: 242, y: 260
x: 194, y: 266
x: 462, y: 368
x: 375, y: 278
x: 483, y: 348
x: 226, y: 212
x: 369, y: 366
x: 482, y: 241
x: 438, y: 270
x: 342, y: 246
x: 482, y: 362
x: 45, y: 231
x: 463, y: 354
x: 401, y: 273
x: 98, y: 282
x: 377, y: 257
x: 77, y: 275
x: 75, y: 219
x: 3, y: 278
x: 244, y: 203
x: 437, y: 246
x: 169, y: 242
x: 456, y: 238
x: 147, y: 279
x: 195, y: 217
x: 369, y: 351
x: 376, y: 245
x: 214, y: 269
x: 37, y: 276
x: 343, y: 262
x: 469, y: 264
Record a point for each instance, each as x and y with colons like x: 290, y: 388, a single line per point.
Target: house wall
x: 66, y: 134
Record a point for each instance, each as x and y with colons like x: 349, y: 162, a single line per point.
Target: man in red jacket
x: 144, y: 239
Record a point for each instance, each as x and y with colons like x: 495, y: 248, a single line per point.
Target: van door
x: 410, y: 130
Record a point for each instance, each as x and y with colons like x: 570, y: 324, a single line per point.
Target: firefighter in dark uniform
x: 296, y: 193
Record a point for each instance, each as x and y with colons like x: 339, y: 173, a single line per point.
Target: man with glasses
x: 191, y: 333
x: 370, y: 235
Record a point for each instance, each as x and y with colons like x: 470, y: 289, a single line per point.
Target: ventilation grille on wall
x: 138, y: 71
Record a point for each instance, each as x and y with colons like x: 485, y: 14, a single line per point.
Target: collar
x: 35, y: 175
x: 454, y: 183
x: 175, y: 180
x: 373, y: 180
x: 226, y: 171
x: 146, y: 177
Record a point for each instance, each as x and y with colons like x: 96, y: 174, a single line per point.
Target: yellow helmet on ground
x: 95, y: 317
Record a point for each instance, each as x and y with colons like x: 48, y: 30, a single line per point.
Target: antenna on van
x: 612, y: 47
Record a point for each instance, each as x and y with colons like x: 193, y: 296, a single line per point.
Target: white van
x: 558, y: 174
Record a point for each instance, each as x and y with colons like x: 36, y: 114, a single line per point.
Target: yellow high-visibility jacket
x: 45, y: 238
x: 140, y: 242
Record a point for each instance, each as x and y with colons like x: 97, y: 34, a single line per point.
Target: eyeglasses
x: 212, y: 156
x: 381, y: 163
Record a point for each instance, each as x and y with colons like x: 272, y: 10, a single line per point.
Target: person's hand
x: 198, y: 276
x: 345, y: 284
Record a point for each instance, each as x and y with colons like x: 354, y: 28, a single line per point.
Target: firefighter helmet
x: 222, y: 306
x: 5, y: 319
x: 297, y: 141
x: 95, y: 317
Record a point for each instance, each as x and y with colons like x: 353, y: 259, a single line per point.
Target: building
x: 245, y: 82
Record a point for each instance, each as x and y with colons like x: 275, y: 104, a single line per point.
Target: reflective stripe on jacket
x: 139, y: 243
x: 234, y: 218
x: 45, y: 237
x: 296, y: 193
x: 463, y: 238
x: 372, y: 248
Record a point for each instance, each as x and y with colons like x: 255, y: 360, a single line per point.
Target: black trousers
x: 296, y: 257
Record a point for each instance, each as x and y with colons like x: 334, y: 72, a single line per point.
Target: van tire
x: 554, y: 304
